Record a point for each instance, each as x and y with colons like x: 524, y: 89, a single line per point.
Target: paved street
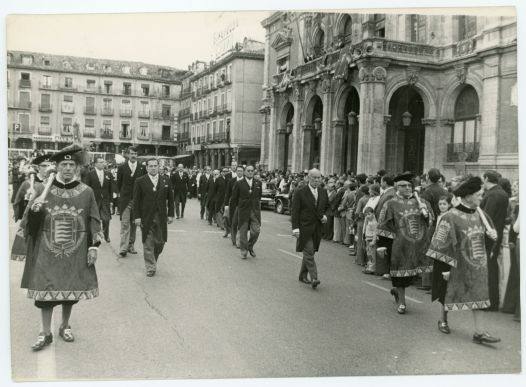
x: 209, y: 314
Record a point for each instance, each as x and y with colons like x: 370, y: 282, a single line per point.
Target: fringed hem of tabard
x: 18, y: 257
x: 385, y: 233
x: 467, y: 305
x: 411, y: 272
x: 442, y: 257
x: 62, y: 295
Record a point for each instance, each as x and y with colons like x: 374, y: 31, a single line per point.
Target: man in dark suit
x: 126, y: 175
x: 180, y: 184
x: 153, y: 209
x: 101, y: 182
x: 246, y: 197
x: 495, y: 204
x: 433, y: 192
x: 202, y: 189
x: 231, y: 223
x: 210, y: 196
x: 219, y: 197
x: 309, y: 209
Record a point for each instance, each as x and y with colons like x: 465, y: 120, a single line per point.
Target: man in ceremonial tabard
x: 62, y: 228
x: 460, y: 242
x: 407, y: 220
x: 25, y: 193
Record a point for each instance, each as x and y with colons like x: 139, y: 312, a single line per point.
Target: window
x: 229, y: 100
x: 90, y: 84
x: 47, y: 62
x: 68, y: 82
x: 418, y: 28
x: 89, y: 123
x: 208, y: 129
x: 126, y: 106
x: 467, y: 27
x: 67, y: 104
x: 215, y: 102
x: 126, y: 88
x: 126, y: 69
x: 106, y: 126
x: 24, y: 99
x: 45, y: 102
x: 106, y: 68
x: 68, y: 98
x: 223, y: 101
x: 166, y: 110
x: 347, y: 28
x: 90, y: 105
x: 44, y: 121
x: 221, y: 126
x: 464, y: 136
x: 143, y: 71
x: 145, y: 107
x: 107, y: 86
x: 214, y: 126
x: 27, y: 60
x: 25, y: 76
x: 66, y: 124
x: 143, y: 128
x: 23, y: 122
x: 125, y: 129
x: 379, y: 25
x: 66, y: 64
x: 46, y: 81
x: 145, y: 90
x: 166, y: 91
x: 90, y: 66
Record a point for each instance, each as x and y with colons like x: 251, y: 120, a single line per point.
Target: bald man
x: 309, y: 214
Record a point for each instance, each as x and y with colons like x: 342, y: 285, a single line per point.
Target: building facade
x: 114, y: 103
x: 223, y: 99
x: 365, y: 92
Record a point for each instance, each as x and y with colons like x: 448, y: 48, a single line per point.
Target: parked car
x: 267, y: 196
x: 282, y: 201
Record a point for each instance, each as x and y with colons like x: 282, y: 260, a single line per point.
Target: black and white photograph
x: 262, y: 195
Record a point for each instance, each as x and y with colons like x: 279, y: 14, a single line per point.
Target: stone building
x: 365, y: 92
x: 223, y: 120
x: 114, y: 103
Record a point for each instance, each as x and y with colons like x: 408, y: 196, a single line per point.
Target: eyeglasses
x: 404, y: 185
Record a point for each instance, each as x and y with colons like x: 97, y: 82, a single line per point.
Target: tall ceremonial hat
x: 72, y: 152
x: 469, y: 186
x: 405, y: 176
x: 45, y: 158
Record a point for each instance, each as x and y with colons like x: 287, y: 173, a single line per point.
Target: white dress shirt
x: 249, y: 181
x: 100, y: 174
x: 132, y: 166
x: 154, y: 180
x: 314, y: 192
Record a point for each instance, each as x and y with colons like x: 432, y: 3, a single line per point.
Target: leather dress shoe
x: 485, y: 338
x: 123, y: 254
x: 315, y: 283
x: 252, y: 253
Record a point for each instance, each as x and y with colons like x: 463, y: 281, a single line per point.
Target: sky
x: 169, y: 39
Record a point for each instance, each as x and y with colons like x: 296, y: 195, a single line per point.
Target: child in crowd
x: 441, y: 272
x: 369, y: 231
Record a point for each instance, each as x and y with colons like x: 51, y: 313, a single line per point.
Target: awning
x: 182, y: 156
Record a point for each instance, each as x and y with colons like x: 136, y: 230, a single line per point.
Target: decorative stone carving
x: 326, y: 84
x: 446, y: 122
x: 412, y: 74
x: 368, y: 74
x: 297, y: 92
x: 429, y: 121
x: 387, y: 119
x: 380, y: 73
x: 312, y: 85
x: 461, y: 73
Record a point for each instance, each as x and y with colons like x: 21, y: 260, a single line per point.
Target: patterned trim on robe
x: 442, y: 257
x: 467, y: 305
x: 68, y: 192
x: 62, y: 295
x: 385, y: 233
x: 411, y: 272
x: 18, y: 257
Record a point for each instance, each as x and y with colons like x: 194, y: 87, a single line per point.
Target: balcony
x: 144, y: 136
x: 126, y: 92
x: 44, y: 108
x: 45, y: 86
x: 125, y: 135
x: 106, y: 111
x: 68, y: 108
x: 125, y: 113
x: 463, y: 152
x: 219, y: 137
x: 44, y: 131
x: 22, y: 131
x: 186, y: 93
x: 166, y: 137
x: 163, y: 115
x: 143, y: 114
x: 66, y: 131
x: 26, y: 105
x: 89, y: 133
x: 106, y: 133
x: 89, y: 110
x: 24, y: 83
x: 67, y: 88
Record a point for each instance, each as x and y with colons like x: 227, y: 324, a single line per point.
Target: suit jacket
x: 210, y: 191
x: 149, y: 201
x: 307, y: 215
x: 125, y: 182
x: 103, y: 194
x: 203, y: 185
x: 180, y: 185
x: 495, y: 204
x: 228, y: 191
x: 432, y: 194
x: 246, y: 199
x: 219, y: 191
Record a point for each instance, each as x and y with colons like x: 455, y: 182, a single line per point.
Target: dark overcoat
x: 125, y: 182
x: 148, y: 200
x: 307, y: 216
x: 246, y: 199
x: 103, y: 194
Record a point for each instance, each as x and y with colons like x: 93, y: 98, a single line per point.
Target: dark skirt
x: 438, y: 283
x: 402, y: 282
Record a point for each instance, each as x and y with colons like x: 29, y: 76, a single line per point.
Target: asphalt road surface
x: 209, y: 314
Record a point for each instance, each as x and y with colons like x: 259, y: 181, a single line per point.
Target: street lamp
x: 351, y: 117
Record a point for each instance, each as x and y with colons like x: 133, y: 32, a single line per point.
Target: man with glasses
x: 407, y: 220
x: 246, y: 197
x: 309, y: 209
x: 202, y: 189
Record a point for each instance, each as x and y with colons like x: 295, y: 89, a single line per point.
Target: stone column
x: 306, y: 136
x: 296, y: 137
x: 371, y: 136
x: 326, y: 151
x: 490, y: 112
x: 437, y: 136
x: 157, y: 150
x: 336, y: 153
x: 117, y: 146
x: 228, y: 157
x: 272, y: 133
x: 280, y: 147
